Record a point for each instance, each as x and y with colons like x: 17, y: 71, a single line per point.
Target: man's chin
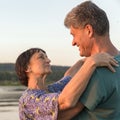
x: 84, y: 55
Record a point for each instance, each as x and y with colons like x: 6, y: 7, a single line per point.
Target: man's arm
x: 70, y: 113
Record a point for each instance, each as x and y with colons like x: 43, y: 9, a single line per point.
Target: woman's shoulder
x: 33, y: 94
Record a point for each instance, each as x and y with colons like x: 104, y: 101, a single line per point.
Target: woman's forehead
x: 38, y: 53
x: 42, y: 53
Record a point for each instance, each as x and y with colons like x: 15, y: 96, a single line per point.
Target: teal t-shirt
x: 102, y: 96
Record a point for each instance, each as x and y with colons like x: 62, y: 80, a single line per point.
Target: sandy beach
x: 9, y: 96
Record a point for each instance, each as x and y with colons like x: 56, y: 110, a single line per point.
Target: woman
x: 39, y: 102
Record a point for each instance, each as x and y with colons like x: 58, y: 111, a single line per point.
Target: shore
x: 9, y: 96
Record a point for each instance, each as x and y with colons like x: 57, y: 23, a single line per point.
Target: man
x: 89, y: 27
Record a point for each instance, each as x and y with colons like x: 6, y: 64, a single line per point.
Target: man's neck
x: 103, y: 44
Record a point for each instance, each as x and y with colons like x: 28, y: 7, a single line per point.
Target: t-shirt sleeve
x: 59, y: 85
x: 94, y: 93
x: 44, y: 107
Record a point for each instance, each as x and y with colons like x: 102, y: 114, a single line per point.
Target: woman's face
x: 39, y: 64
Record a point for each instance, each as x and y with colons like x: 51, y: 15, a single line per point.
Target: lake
x: 9, y: 96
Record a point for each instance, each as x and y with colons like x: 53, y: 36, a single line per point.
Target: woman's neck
x: 37, y: 83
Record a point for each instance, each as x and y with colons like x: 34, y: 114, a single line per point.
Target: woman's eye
x: 41, y: 57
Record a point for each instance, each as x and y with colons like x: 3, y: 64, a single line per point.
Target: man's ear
x: 89, y: 30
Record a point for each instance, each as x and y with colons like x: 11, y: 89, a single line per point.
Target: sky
x: 40, y: 23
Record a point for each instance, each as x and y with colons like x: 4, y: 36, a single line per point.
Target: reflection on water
x: 9, y: 113
x: 9, y: 96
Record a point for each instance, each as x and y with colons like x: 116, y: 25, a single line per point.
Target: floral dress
x: 40, y: 105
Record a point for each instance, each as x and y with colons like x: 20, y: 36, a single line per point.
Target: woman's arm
x: 73, y: 69
x: 60, y: 84
x: 70, y: 113
x: 74, y: 89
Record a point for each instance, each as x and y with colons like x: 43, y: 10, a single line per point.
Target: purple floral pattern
x: 40, y: 105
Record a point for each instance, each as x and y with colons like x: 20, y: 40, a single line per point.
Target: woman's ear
x: 28, y: 69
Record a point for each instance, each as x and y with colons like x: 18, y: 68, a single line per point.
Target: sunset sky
x: 40, y: 23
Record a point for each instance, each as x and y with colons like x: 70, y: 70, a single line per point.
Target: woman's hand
x: 104, y: 59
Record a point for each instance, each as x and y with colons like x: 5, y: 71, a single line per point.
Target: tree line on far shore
x: 8, y: 75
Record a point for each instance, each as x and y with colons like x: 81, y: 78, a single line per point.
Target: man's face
x: 82, y: 40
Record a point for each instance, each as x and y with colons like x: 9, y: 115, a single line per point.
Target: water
x: 9, y: 96
x: 9, y: 113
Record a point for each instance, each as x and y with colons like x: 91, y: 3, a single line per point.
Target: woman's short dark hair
x: 22, y: 64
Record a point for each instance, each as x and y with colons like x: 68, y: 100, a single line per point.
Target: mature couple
x: 89, y: 89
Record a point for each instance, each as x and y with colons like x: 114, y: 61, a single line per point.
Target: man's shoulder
x: 117, y: 57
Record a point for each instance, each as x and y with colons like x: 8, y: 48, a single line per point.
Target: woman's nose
x: 73, y: 43
x: 48, y: 60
